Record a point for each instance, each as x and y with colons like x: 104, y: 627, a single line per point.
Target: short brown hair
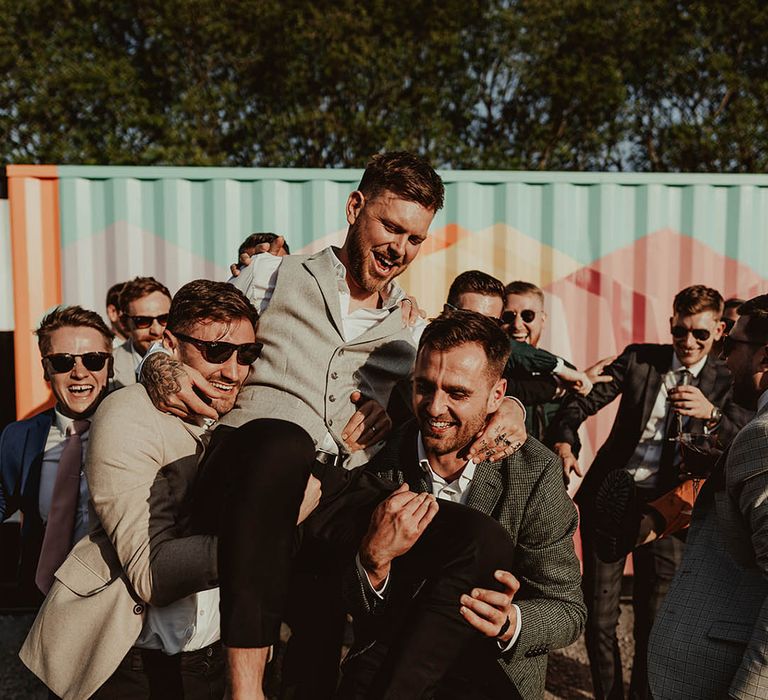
x: 70, y: 316
x: 113, y: 295
x: 756, y: 309
x: 406, y: 175
x: 138, y: 288
x: 204, y: 300
x: 453, y: 328
x: 696, y: 299
x: 477, y: 282
x: 520, y: 287
x: 258, y: 238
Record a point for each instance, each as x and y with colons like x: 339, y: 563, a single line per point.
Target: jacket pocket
x: 730, y: 631
x: 82, y: 579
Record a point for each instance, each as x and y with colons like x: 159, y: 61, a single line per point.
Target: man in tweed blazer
x: 455, y: 383
x: 710, y: 639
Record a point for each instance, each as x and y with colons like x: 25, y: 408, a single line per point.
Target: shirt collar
x: 390, y: 295
x: 466, y: 474
x: 63, y: 422
x: 695, y: 370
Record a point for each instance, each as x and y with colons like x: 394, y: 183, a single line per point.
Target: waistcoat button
x: 334, y: 375
x: 331, y: 398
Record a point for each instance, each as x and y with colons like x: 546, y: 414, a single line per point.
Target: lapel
x: 321, y: 267
x: 707, y: 378
x: 34, y: 446
x: 413, y: 474
x: 660, y: 365
x: 486, y: 487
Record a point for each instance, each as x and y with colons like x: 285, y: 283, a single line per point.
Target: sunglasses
x: 730, y: 343
x: 60, y: 362
x: 701, y: 334
x: 217, y: 352
x: 508, y: 317
x: 146, y: 321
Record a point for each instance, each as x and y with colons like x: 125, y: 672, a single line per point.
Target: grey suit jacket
x: 710, y: 639
x: 140, y: 467
x: 525, y: 493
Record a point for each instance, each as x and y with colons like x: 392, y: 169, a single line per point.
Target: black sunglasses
x: 146, y: 321
x: 217, y: 352
x: 508, y: 317
x: 701, y: 334
x: 61, y: 362
x: 730, y: 343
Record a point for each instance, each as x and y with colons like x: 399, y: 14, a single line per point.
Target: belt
x: 138, y: 659
x: 326, y: 461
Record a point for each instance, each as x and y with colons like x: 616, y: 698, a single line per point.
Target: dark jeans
x: 146, y: 674
x: 255, y: 477
x: 655, y: 565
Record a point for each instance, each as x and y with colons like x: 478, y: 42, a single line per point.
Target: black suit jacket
x: 637, y: 376
x: 525, y: 493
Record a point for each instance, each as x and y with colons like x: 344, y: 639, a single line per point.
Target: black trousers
x: 655, y: 565
x: 146, y: 674
x: 255, y: 478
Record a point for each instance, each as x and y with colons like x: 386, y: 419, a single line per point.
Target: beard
x: 458, y: 437
x: 360, y: 263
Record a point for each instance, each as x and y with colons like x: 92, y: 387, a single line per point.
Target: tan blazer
x: 140, y: 467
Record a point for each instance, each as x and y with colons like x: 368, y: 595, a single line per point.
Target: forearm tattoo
x: 160, y: 376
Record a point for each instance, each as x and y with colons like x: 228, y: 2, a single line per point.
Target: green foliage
x: 533, y: 84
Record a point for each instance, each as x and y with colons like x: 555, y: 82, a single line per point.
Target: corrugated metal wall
x: 6, y: 269
x: 610, y: 250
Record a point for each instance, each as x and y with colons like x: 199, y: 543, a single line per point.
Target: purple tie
x: 60, y: 527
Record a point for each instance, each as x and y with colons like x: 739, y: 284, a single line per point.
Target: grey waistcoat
x: 307, y: 370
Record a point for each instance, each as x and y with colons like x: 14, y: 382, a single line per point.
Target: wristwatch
x: 715, y: 416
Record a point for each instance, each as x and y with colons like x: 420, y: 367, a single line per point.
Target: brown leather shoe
x: 673, y: 509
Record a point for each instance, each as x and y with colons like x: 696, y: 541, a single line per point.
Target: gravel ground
x: 568, y: 677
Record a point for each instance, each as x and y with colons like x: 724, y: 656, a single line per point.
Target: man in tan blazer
x: 135, y: 604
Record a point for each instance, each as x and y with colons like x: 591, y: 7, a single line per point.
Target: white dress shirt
x: 644, y: 463
x: 187, y: 624
x: 54, y: 446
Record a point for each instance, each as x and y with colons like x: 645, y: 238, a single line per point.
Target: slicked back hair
x: 70, y: 316
x: 520, y: 287
x: 477, y: 282
x: 406, y: 175
x: 205, y: 301
x: 138, y: 288
x: 258, y: 238
x: 756, y: 309
x: 697, y: 299
x: 454, y: 328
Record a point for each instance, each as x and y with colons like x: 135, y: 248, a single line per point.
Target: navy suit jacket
x: 21, y: 457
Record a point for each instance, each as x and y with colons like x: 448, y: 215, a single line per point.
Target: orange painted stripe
x: 32, y: 271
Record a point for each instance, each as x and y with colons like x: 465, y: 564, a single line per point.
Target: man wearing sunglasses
x: 41, y: 458
x: 134, y: 612
x: 144, y: 305
x: 332, y: 326
x: 709, y: 640
x: 665, y: 390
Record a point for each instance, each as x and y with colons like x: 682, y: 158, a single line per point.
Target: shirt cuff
x: 506, y: 646
x: 559, y: 367
x: 519, y: 403
x: 157, y: 346
x: 367, y: 581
